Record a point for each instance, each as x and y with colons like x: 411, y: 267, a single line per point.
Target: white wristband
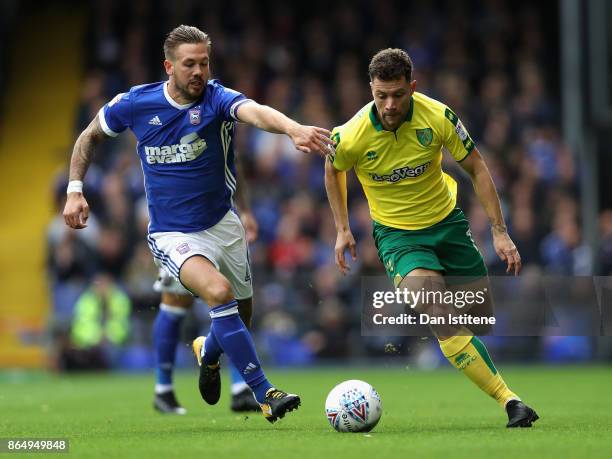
x: 74, y: 186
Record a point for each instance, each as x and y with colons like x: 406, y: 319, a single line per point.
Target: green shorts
x: 447, y: 247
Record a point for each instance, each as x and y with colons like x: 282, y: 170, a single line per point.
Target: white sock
x: 238, y: 387
x: 181, y: 312
x: 163, y: 388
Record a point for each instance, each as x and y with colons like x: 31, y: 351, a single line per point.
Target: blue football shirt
x: 186, y: 152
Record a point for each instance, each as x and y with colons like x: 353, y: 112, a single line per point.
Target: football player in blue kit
x: 184, y: 127
x: 176, y: 302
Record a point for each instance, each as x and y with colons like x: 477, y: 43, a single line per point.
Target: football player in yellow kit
x: 394, y: 144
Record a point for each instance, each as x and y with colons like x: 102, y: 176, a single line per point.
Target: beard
x: 392, y: 122
x: 189, y: 92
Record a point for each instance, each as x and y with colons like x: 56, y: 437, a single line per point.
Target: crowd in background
x: 492, y: 62
x: 8, y: 13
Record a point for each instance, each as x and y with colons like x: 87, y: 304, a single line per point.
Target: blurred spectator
x: 563, y: 252
x: 100, y: 326
x: 605, y: 251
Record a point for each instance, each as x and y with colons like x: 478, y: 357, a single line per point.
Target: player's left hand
x: 251, y: 227
x: 312, y: 139
x: 345, y: 241
x: 507, y: 251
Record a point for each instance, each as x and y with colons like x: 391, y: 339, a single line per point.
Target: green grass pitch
x: 425, y: 414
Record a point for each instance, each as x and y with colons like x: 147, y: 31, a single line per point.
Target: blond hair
x: 184, y: 34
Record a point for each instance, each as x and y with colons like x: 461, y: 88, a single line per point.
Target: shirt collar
x: 173, y: 102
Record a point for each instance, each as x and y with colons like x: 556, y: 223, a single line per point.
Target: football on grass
x: 353, y: 406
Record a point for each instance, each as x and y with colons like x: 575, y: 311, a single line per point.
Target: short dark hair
x: 390, y: 64
x: 184, y: 34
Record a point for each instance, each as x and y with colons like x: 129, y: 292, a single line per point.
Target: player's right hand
x: 76, y: 211
x: 311, y: 138
x: 344, y: 241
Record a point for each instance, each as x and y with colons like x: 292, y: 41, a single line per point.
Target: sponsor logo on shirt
x: 401, y: 173
x: 190, y: 147
x: 461, y: 132
x: 155, y: 121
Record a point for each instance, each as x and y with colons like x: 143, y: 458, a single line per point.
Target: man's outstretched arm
x: 76, y: 210
x: 305, y: 138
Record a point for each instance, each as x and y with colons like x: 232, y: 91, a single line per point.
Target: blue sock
x: 212, y: 349
x: 166, y: 330
x: 236, y: 341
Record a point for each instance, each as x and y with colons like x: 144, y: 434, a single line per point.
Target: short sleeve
x: 116, y: 116
x: 457, y: 140
x: 227, y: 101
x: 340, y: 157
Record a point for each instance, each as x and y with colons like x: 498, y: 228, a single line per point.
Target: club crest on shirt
x: 194, y: 116
x: 424, y: 136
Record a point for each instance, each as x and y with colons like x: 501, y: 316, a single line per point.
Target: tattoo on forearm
x: 499, y: 228
x: 84, y: 148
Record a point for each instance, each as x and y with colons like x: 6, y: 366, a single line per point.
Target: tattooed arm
x: 76, y: 210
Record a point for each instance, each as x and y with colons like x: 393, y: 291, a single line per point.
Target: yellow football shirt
x: 401, y: 172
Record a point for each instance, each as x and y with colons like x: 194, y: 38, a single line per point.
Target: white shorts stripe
x: 164, y: 259
x: 165, y: 264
